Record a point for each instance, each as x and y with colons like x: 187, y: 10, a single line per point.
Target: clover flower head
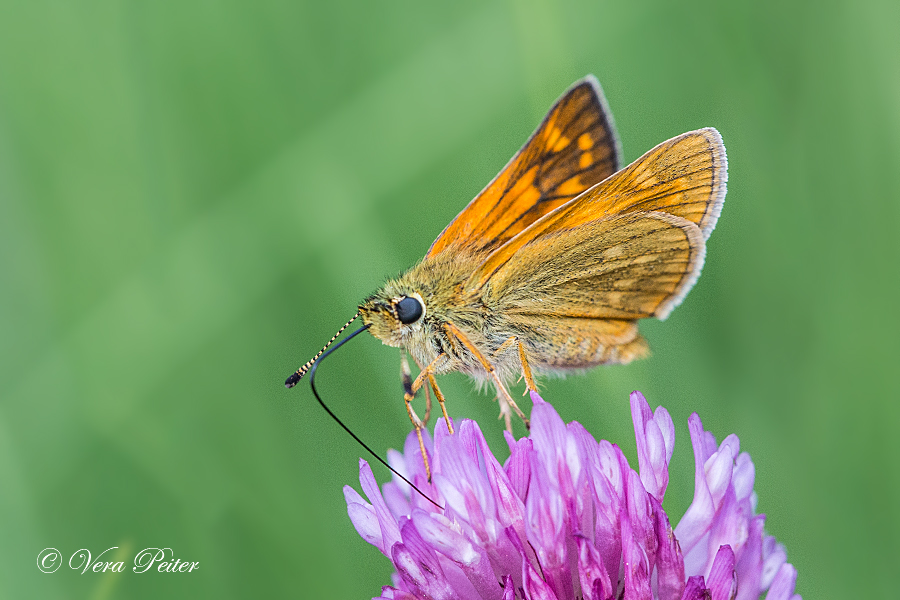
x: 567, y: 518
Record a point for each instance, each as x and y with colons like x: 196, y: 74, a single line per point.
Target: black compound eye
x: 409, y: 310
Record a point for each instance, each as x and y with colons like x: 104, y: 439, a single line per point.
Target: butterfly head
x: 393, y: 316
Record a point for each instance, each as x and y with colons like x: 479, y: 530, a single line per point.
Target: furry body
x: 490, y: 316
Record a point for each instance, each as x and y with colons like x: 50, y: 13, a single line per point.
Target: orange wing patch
x: 627, y: 266
x: 684, y: 176
x: 574, y: 148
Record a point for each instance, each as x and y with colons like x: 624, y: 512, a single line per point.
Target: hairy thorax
x: 439, y: 282
x: 554, y: 344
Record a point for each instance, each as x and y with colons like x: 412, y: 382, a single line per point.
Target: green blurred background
x: 195, y: 195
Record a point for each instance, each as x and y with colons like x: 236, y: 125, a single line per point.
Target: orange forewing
x: 574, y: 148
x: 684, y: 176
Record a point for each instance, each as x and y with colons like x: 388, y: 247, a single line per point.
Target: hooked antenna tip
x: 295, y: 378
x: 292, y: 380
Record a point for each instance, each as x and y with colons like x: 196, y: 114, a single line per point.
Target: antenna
x: 322, y: 355
x: 299, y: 373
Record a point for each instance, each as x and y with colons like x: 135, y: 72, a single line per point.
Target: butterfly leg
x: 505, y: 346
x: 506, y: 401
x: 440, y: 398
x: 530, y: 385
x: 437, y: 394
x: 409, y: 392
x: 427, y: 416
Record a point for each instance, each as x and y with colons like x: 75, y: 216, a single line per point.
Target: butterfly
x: 549, y: 268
